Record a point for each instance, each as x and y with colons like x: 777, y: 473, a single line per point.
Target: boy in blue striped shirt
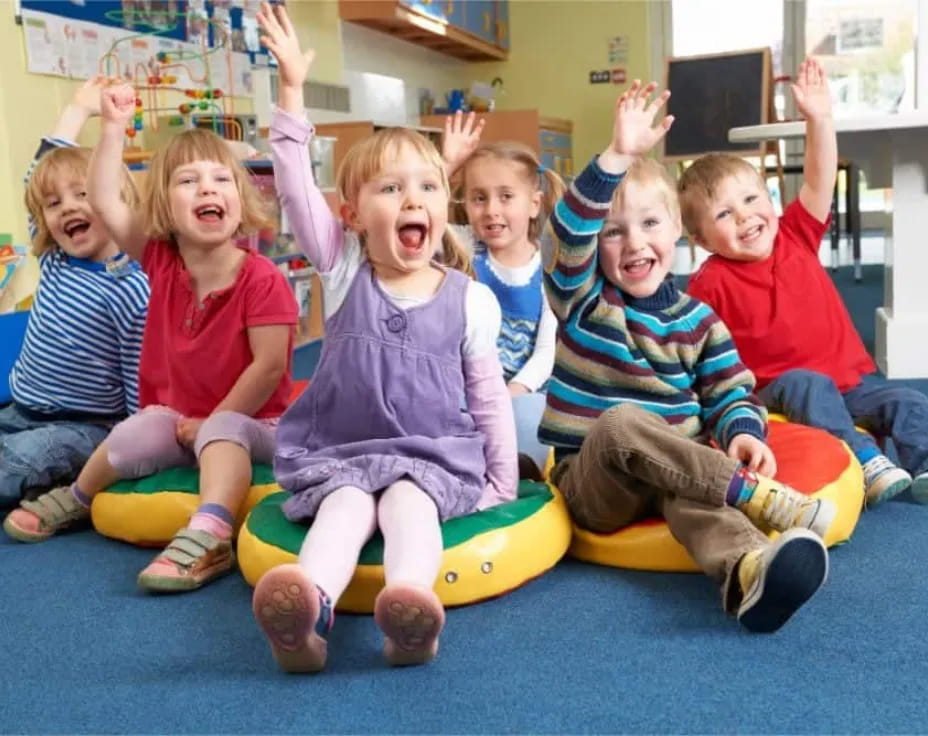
x: 77, y: 373
x: 645, y: 376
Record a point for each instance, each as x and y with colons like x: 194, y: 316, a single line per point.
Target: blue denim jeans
x: 883, y: 408
x: 36, y: 455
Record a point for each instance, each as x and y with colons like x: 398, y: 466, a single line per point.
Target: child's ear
x: 350, y: 217
x: 536, y: 203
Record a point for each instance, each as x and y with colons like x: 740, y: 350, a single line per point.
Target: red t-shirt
x: 192, y: 354
x: 784, y: 312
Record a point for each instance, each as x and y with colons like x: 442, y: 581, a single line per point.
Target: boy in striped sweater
x: 77, y: 373
x: 645, y: 376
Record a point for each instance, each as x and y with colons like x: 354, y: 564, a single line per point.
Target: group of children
x: 648, y: 398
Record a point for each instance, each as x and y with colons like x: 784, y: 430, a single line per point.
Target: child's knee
x: 622, y: 424
x: 225, y: 426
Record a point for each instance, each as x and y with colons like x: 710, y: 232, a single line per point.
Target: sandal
x: 50, y: 513
x: 192, y: 559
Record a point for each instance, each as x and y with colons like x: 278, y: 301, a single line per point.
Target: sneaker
x: 780, y: 507
x: 192, y: 559
x: 883, y: 479
x: 780, y: 578
x: 920, y: 488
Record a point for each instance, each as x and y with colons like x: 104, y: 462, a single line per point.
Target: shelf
x: 410, y: 25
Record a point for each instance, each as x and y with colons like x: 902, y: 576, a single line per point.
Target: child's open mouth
x: 413, y: 237
x: 209, y: 213
x: 75, y: 227
x: 638, y: 269
x: 752, y: 234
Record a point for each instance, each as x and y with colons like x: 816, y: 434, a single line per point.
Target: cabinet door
x: 480, y: 19
x: 434, y: 8
x: 502, y: 24
x: 455, y: 12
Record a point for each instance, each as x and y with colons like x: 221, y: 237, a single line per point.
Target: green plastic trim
x: 182, y: 480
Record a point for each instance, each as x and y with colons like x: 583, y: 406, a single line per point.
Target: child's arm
x: 318, y: 232
x: 130, y: 350
x: 105, y: 179
x: 538, y: 367
x: 725, y: 386
x: 569, y: 257
x: 460, y: 139
x: 487, y: 399
x: 820, y: 165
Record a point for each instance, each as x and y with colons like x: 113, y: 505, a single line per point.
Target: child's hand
x: 753, y: 453
x: 461, y: 138
x: 186, y: 431
x: 633, y: 129
x: 516, y: 389
x: 117, y: 104
x: 811, y: 91
x: 87, y: 96
x: 281, y: 40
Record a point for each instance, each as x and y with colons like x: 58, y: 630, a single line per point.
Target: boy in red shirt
x: 792, y: 330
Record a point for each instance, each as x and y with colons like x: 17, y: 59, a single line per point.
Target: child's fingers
x: 658, y: 102
x: 284, y: 20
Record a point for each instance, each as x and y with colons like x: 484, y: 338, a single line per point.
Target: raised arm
x: 105, y: 180
x: 460, y: 139
x: 820, y: 166
x: 318, y: 232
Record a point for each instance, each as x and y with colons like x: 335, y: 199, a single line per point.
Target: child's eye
x: 611, y: 232
x: 185, y: 180
x: 651, y: 222
x: 430, y: 186
x: 52, y: 203
x: 389, y: 188
x: 506, y: 196
x: 750, y: 198
x: 478, y: 198
x: 720, y: 215
x: 82, y: 195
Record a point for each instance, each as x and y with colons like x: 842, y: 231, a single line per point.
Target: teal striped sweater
x: 668, y: 353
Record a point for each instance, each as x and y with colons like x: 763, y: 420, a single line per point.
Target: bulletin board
x: 711, y: 94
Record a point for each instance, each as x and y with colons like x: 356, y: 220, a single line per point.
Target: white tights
x: 408, y: 520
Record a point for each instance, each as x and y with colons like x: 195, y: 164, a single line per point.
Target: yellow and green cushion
x: 150, y: 510
x: 808, y: 459
x: 487, y: 553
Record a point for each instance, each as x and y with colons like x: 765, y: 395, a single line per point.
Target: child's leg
x: 813, y: 398
x: 202, y: 551
x: 407, y: 609
x: 142, y: 444
x: 631, y: 457
x: 295, y: 604
x: 900, y: 413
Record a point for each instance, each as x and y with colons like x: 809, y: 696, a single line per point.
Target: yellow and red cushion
x: 808, y: 459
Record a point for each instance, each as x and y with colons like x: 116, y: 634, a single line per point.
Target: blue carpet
x: 583, y: 649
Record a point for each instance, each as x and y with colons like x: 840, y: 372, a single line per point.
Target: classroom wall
x: 554, y: 46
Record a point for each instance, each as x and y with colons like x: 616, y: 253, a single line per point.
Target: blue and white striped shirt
x: 82, y: 345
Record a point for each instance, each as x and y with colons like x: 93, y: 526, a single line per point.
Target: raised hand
x: 87, y: 96
x: 813, y: 99
x: 281, y: 40
x: 117, y: 104
x: 633, y: 130
x: 461, y: 138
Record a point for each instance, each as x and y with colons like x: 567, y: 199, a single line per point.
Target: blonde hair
x: 646, y: 173
x: 698, y: 184
x: 539, y: 177
x: 55, y: 166
x: 197, y: 145
x: 368, y: 157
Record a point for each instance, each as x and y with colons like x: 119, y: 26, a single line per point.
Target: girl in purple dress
x: 379, y: 439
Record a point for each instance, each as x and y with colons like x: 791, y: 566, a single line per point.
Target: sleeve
x: 800, y: 227
x: 483, y: 320
x: 45, y: 145
x: 538, y: 367
x: 269, y: 299
x: 318, y: 232
x: 725, y: 386
x: 130, y: 345
x: 568, y: 247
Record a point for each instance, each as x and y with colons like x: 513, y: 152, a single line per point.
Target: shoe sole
x: 411, y: 619
x: 893, y: 490
x: 286, y: 606
x: 792, y: 576
x: 21, y: 535
x: 185, y: 583
x: 920, y: 490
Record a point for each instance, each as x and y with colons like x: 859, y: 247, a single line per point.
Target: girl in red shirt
x: 214, y: 375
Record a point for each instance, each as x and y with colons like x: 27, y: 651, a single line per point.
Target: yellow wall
x: 554, y: 46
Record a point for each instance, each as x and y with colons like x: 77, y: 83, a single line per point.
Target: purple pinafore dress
x: 385, y: 404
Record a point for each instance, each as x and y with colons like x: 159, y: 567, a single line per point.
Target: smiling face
x: 501, y: 201
x: 402, y: 212
x: 204, y: 201
x: 71, y: 222
x: 738, y: 222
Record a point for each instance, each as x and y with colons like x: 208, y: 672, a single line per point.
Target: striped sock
x: 326, y: 614
x: 214, y: 519
x: 741, y: 486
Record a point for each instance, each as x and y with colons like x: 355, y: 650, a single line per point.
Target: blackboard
x: 709, y: 95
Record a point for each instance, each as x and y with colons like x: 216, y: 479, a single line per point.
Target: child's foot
x: 528, y: 470
x: 192, y: 559
x: 920, y: 488
x: 883, y: 479
x: 50, y: 513
x: 768, y: 502
x: 778, y: 579
x: 411, y: 618
x: 288, y: 608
